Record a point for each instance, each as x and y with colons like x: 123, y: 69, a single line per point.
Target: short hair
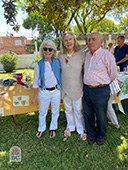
x: 110, y: 43
x: 121, y: 37
x: 99, y: 35
x: 50, y: 43
x: 76, y: 44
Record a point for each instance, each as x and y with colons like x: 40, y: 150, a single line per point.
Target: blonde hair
x: 76, y: 44
x: 49, y: 43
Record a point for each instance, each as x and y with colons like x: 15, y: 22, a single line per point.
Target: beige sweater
x: 71, y: 75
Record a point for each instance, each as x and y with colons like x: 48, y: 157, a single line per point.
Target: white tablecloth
x: 123, y: 77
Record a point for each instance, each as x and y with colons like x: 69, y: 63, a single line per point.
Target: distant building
x: 106, y: 39
x: 112, y: 38
x: 18, y: 45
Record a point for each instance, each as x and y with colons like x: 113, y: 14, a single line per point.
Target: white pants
x: 110, y: 111
x: 45, y: 97
x: 73, y: 111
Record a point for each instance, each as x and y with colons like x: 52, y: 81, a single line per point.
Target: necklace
x: 68, y: 57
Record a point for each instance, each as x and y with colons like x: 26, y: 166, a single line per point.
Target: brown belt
x: 101, y: 85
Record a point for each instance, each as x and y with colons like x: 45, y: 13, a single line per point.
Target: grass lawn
x: 59, y: 154
x: 5, y: 75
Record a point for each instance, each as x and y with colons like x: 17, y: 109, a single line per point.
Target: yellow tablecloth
x: 16, y: 99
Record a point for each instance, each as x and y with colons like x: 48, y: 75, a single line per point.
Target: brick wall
x: 15, y: 44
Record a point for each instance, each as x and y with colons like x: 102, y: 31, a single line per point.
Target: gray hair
x: 99, y: 35
x: 50, y: 43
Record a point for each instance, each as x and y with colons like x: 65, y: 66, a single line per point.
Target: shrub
x: 9, y: 61
x: 36, y: 59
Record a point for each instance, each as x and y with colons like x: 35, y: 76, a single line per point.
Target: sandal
x: 67, y: 133
x: 52, y: 133
x: 114, y: 125
x: 83, y: 136
x: 39, y: 134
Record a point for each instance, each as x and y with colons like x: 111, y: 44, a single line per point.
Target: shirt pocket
x: 99, y: 66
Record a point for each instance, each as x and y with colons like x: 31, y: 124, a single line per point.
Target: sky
x: 4, y: 28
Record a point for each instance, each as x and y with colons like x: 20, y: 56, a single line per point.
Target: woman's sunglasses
x: 45, y: 49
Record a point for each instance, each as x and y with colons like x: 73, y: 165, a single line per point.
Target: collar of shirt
x: 122, y: 46
x: 96, y: 52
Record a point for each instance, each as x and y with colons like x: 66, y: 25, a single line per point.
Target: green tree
x: 10, y: 13
x: 107, y: 26
x: 89, y: 15
x: 86, y: 14
x: 56, y: 11
x: 44, y: 26
x: 124, y: 24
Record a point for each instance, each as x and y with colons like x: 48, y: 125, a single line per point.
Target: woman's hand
x: 34, y: 100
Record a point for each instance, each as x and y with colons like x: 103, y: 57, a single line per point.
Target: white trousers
x: 45, y: 97
x: 74, y: 116
x: 110, y: 111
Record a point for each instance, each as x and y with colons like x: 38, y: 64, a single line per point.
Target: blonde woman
x: 72, y: 59
x: 47, y: 80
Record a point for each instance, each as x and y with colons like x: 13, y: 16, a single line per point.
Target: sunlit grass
x: 3, y: 156
x: 122, y: 149
x: 31, y: 113
x: 5, y: 75
x: 3, y: 153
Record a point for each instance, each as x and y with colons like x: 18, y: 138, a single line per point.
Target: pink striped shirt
x: 99, y: 68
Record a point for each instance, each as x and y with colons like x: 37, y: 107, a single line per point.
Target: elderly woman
x: 47, y: 79
x: 72, y: 59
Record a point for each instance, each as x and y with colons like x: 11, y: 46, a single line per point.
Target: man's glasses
x: 45, y: 49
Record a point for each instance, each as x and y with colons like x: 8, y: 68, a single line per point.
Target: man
x: 99, y: 71
x: 121, y: 53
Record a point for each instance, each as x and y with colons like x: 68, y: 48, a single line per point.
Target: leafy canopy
x: 124, y: 24
x: 86, y: 14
